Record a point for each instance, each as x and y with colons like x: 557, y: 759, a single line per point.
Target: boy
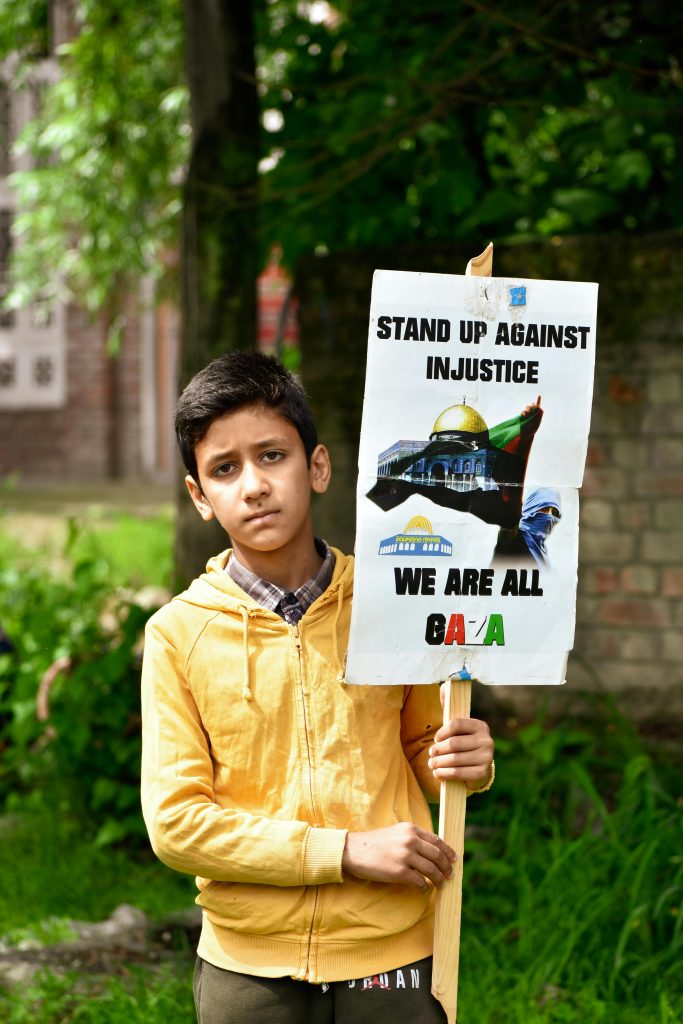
x: 295, y: 798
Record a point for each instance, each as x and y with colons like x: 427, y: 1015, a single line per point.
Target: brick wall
x: 86, y: 432
x: 630, y: 608
x: 96, y: 434
x: 629, y: 639
x: 127, y: 397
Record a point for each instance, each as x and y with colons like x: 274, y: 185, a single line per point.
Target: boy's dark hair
x: 231, y: 382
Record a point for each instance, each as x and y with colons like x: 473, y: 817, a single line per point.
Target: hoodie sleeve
x: 188, y: 830
x: 420, y: 718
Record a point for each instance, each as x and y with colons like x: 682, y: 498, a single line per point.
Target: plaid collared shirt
x: 289, y: 605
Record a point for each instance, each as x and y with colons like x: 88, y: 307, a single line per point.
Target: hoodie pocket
x: 256, y: 909
x: 358, y: 911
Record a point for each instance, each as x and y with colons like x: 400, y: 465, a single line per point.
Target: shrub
x: 573, y: 881
x: 69, y: 694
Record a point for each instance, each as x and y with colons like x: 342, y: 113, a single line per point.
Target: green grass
x: 137, y: 551
x: 134, y: 551
x: 573, y: 890
x: 572, y: 909
x: 51, y: 871
x: 137, y: 998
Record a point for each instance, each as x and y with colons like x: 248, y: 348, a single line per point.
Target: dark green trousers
x: 402, y: 996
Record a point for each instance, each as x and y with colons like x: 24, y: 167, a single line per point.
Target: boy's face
x: 256, y: 482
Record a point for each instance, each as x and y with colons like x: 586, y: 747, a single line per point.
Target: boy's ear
x: 199, y: 499
x: 321, y: 469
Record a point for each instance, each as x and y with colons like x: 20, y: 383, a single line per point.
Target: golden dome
x: 418, y: 524
x: 460, y: 418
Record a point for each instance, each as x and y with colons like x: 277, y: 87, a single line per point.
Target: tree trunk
x: 219, y: 229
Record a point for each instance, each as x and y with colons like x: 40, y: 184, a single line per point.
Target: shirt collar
x: 269, y: 595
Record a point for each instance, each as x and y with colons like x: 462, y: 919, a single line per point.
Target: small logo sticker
x: 417, y: 538
x: 518, y: 296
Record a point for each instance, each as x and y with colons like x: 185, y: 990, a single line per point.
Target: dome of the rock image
x: 459, y: 419
x: 419, y: 526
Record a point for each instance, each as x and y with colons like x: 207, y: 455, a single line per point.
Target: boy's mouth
x: 259, y: 516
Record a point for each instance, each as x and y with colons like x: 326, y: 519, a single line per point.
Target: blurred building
x: 68, y: 410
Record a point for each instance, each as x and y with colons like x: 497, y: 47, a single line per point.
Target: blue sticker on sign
x: 462, y: 674
x: 518, y: 296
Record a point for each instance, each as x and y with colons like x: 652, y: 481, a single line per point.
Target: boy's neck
x: 285, y: 568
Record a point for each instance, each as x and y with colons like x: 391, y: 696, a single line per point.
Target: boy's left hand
x: 462, y: 750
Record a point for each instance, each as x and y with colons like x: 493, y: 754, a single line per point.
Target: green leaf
x: 584, y: 205
x: 629, y: 169
x: 112, y: 831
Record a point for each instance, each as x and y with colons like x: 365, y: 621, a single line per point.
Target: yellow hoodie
x: 257, y: 759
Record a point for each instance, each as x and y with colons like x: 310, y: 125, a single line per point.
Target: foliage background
x: 381, y: 124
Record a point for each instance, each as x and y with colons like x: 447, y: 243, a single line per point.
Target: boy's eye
x: 224, y: 469
x: 272, y: 456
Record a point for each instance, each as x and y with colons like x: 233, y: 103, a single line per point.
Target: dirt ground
x: 40, y: 512
x: 139, y: 497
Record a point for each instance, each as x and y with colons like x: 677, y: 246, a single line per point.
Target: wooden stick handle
x: 452, y: 810
x: 449, y: 897
x: 481, y: 265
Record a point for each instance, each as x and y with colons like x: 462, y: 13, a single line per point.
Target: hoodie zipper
x: 304, y: 694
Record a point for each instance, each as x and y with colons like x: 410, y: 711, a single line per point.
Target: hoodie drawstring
x: 246, y: 690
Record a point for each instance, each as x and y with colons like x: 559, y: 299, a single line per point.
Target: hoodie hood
x: 215, y: 592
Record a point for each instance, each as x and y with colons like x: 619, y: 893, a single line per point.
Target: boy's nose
x: 254, y: 482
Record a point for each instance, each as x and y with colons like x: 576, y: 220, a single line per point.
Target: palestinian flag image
x: 465, y: 465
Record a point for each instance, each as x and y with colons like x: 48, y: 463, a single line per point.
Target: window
x: 7, y: 316
x: 32, y: 340
x: 5, y: 130
x: 8, y: 372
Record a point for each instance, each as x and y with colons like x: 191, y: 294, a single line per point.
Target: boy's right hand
x: 400, y: 853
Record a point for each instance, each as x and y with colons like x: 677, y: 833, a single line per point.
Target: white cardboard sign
x: 467, y: 538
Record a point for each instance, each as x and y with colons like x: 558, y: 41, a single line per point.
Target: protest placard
x: 473, y: 443
x: 467, y: 539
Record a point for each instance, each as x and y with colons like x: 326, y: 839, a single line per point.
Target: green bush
x: 573, y: 882
x: 84, y: 756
